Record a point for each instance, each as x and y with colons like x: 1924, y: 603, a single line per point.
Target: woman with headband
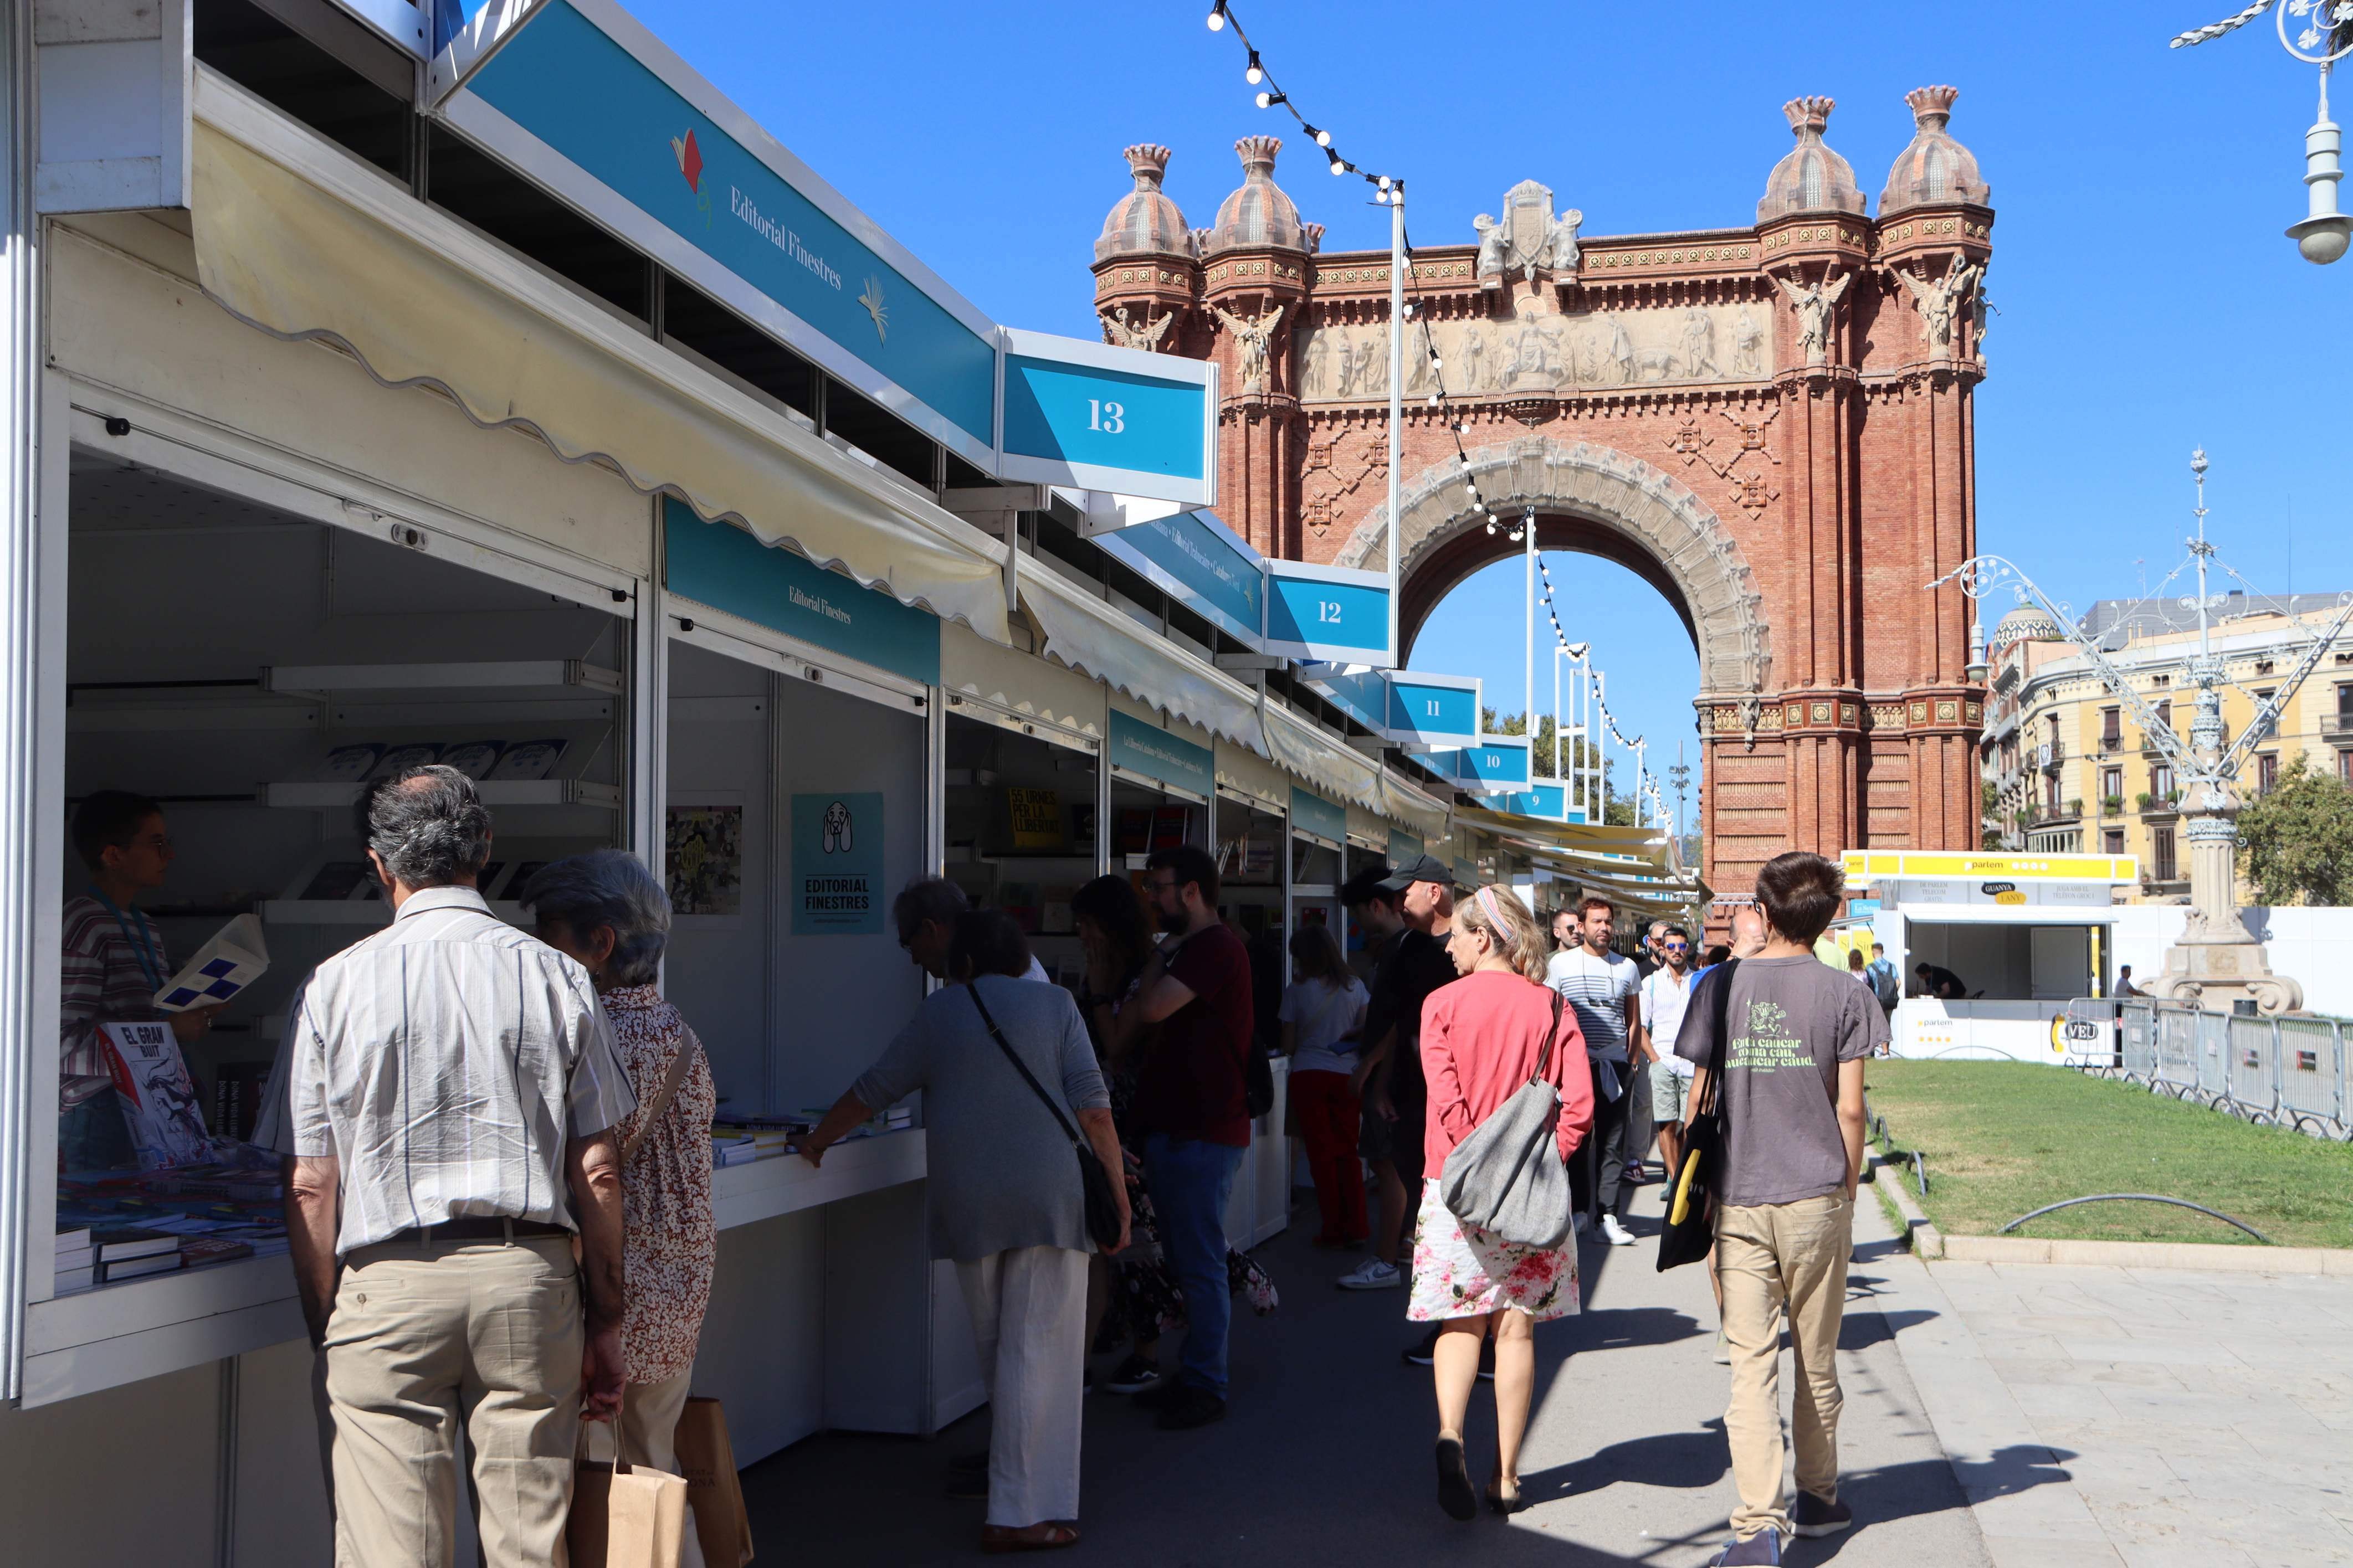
x: 1480, y: 1040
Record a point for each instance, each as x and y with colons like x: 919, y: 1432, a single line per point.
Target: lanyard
x: 136, y: 935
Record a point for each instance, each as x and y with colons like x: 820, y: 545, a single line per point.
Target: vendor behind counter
x: 113, y: 962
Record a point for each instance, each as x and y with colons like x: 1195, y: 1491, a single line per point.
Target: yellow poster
x: 1036, y: 819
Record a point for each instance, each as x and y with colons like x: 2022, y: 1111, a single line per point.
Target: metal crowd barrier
x: 2284, y: 1072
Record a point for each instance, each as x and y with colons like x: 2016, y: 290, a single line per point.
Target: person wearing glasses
x: 113, y: 963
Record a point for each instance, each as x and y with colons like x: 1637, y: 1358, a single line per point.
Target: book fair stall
x: 631, y: 530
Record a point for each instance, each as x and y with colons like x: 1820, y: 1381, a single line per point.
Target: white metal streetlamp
x: 2324, y: 36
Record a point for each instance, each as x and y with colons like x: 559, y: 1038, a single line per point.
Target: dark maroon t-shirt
x: 1191, y: 1084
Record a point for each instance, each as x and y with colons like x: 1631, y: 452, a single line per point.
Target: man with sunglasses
x: 1666, y: 992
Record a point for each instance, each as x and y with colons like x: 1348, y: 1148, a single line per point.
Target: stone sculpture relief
x: 1940, y: 302
x: 1252, y: 338
x: 1815, y: 304
x: 1118, y: 329
x: 1530, y: 238
x: 1566, y: 354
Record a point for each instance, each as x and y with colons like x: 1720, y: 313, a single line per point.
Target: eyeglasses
x: 1162, y: 884
x: 1678, y: 947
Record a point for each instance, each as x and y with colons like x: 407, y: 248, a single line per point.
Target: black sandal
x: 1497, y: 1503
x: 1455, y: 1494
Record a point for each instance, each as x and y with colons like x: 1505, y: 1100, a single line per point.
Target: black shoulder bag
x: 1691, y: 1200
x: 1095, y: 1182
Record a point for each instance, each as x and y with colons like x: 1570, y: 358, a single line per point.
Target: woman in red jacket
x: 1480, y: 1039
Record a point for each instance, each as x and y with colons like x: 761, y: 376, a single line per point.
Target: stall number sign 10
x: 1110, y: 418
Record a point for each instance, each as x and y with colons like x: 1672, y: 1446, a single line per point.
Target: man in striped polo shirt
x: 445, y: 1094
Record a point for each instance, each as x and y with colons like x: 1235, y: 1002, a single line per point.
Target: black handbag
x: 1692, y: 1197
x: 1095, y: 1182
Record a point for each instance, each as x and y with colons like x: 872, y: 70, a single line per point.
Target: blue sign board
x: 580, y: 98
x: 1433, y: 709
x: 837, y: 864
x: 1116, y: 419
x: 1496, y: 764
x: 1328, y: 612
x: 1311, y: 813
x: 1364, y: 696
x: 1549, y: 801
x: 1201, y: 562
x: 1149, y: 749
x: 1404, y: 847
x: 720, y: 565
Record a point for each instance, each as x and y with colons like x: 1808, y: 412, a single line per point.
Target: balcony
x: 2111, y: 745
x: 2051, y: 755
x: 2336, y: 728
x: 2045, y: 814
x: 2157, y: 807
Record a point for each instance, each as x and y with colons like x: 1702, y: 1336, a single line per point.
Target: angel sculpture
x: 1490, y: 250
x: 1128, y: 336
x: 1252, y: 338
x: 1940, y: 303
x: 1815, y: 303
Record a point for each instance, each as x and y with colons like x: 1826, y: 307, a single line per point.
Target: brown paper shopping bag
x: 623, y: 1515
x: 707, y: 1459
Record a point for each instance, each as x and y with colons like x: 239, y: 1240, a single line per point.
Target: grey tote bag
x: 1508, y: 1178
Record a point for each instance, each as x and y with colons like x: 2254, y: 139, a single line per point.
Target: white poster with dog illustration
x: 837, y: 864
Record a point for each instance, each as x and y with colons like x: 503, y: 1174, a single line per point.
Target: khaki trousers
x: 425, y: 1338
x: 1769, y: 1258
x: 650, y: 1412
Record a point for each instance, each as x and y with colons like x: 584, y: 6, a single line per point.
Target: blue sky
x: 2148, y: 302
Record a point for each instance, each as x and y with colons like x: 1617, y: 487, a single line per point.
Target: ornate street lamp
x: 2323, y: 36
x: 2217, y: 959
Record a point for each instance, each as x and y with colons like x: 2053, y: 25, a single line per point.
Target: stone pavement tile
x: 2037, y: 1552
x: 2078, y: 1325
x: 2049, y: 1405
x: 2167, y: 1349
x: 2184, y: 1554
x: 2018, y: 1371
x: 2336, y: 1415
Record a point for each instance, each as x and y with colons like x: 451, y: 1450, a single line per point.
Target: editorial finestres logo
x: 689, y: 160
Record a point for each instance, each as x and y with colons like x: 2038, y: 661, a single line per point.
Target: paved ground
x: 1326, y: 1456
x: 2203, y: 1418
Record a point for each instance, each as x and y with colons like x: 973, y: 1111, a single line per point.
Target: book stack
x: 130, y: 1251
x: 733, y: 1149
x: 77, y: 1261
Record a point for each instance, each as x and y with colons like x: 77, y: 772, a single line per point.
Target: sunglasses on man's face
x: 1678, y: 947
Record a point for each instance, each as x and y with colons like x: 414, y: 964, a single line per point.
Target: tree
x: 2298, y: 839
x: 1617, y: 809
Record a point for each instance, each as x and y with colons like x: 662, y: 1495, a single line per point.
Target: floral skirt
x: 1461, y: 1271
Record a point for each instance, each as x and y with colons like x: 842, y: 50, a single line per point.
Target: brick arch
x: 1591, y: 497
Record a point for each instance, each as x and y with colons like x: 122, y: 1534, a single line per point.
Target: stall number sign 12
x: 1110, y: 418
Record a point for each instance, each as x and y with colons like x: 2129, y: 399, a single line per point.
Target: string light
x: 1253, y: 73
x: 1217, y: 16
x: 1388, y: 190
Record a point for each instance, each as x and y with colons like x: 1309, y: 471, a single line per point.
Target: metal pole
x: 1396, y: 401
x: 1558, y: 759
x: 1528, y: 527
x: 1598, y: 720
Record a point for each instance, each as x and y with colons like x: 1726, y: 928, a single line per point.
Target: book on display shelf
x: 128, y: 1243
x: 408, y: 754
x: 138, y: 1267
x: 73, y: 1281
x: 197, y: 1251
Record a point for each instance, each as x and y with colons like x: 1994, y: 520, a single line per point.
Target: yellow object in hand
x: 1681, y: 1206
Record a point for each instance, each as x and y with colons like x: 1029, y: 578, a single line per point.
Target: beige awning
x: 1101, y: 640
x: 296, y: 237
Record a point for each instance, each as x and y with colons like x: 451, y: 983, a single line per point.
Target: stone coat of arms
x: 1529, y: 240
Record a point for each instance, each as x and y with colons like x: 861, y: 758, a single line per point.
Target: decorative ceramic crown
x: 1145, y: 222
x: 1934, y: 169
x: 1257, y: 214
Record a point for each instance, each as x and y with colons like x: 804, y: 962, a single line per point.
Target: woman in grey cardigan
x: 1007, y: 1204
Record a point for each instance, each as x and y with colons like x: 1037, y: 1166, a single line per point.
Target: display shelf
x: 357, y: 912
x: 514, y: 677
x: 494, y: 792
x: 786, y: 1184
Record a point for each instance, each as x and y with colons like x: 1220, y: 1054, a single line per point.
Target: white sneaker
x: 1579, y: 1224
x: 1372, y: 1274
x: 1615, y: 1234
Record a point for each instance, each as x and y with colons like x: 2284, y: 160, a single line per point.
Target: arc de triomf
x: 1772, y: 423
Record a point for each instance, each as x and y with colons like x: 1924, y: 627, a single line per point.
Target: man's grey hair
x: 429, y: 822
x: 607, y: 888
x: 928, y: 899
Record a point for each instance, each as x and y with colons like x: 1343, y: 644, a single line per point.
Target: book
x: 527, y: 760
x: 409, y: 754
x: 237, y: 1098
x: 122, y: 1244
x: 350, y: 764
x: 1169, y: 826
x: 1034, y: 820
x: 72, y: 1239
x: 159, y: 1099
x: 475, y: 759
x: 236, y: 957
x: 138, y: 1267
x: 70, y: 1281
x: 199, y: 1249
x: 79, y: 1258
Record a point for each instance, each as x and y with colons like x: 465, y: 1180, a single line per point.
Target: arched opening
x: 1472, y: 550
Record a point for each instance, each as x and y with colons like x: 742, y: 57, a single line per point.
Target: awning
x: 1101, y: 640
x: 1323, y: 761
x: 1429, y: 817
x: 299, y: 239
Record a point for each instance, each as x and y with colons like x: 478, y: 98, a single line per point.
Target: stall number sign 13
x: 1110, y: 418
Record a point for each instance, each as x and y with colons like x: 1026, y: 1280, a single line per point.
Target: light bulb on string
x: 1253, y: 73
x: 1338, y: 167
x: 1268, y: 100
x: 1217, y: 16
x: 1385, y: 182
x: 1321, y: 138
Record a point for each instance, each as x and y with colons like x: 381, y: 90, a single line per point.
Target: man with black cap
x: 1393, y: 1090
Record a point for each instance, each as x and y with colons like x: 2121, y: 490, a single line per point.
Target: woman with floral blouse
x: 606, y: 910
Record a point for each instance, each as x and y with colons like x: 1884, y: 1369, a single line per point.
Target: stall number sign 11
x: 1110, y: 418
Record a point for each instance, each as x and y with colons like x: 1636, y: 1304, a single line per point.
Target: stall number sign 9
x: 1110, y: 418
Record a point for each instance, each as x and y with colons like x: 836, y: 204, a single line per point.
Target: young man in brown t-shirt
x: 1792, y: 1098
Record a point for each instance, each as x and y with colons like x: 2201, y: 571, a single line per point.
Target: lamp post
x: 2216, y: 960
x: 2325, y: 36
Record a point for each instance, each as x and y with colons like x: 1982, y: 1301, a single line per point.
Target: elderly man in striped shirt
x: 445, y: 1094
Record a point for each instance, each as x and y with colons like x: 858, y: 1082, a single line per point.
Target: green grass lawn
x: 2003, y: 1138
